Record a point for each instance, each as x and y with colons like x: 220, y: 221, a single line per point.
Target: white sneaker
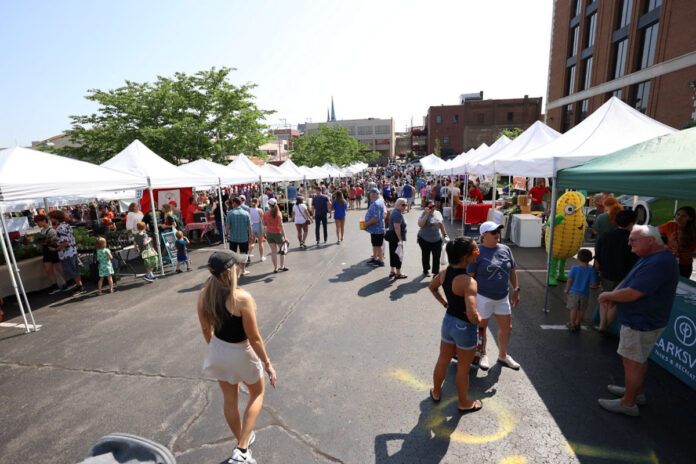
x: 252, y: 438
x: 620, y: 391
x: 263, y: 258
x: 239, y: 457
x: 483, y: 363
x: 509, y: 362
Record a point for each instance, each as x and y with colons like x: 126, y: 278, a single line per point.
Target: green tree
x: 436, y: 150
x: 331, y: 144
x: 510, y: 133
x: 179, y: 118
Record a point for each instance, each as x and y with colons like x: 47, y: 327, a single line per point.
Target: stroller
x: 122, y: 448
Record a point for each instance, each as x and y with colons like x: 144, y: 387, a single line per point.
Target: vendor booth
x: 664, y: 167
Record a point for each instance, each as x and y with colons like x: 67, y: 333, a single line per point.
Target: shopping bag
x: 284, y: 248
x: 400, y: 250
x: 150, y: 258
x: 444, y: 262
x: 385, y: 248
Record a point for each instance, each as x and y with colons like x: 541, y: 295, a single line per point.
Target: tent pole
x: 12, y: 262
x: 224, y: 239
x: 451, y: 197
x: 154, y: 221
x: 676, y: 206
x: 552, y: 220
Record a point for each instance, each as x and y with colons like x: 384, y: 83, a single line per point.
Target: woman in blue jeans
x: 459, y: 333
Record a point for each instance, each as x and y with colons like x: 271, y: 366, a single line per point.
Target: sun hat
x: 272, y: 201
x: 374, y: 190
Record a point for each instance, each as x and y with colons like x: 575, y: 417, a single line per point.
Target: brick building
x: 642, y: 51
x: 377, y: 134
x: 457, y: 128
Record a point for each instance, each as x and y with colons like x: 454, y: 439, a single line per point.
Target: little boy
x: 142, y: 243
x: 580, y: 279
x: 182, y: 252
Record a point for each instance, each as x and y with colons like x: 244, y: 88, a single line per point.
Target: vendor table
x: 204, y: 227
x: 475, y: 214
x: 33, y: 276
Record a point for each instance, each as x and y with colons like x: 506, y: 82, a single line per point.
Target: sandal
x: 283, y: 269
x: 476, y: 407
x: 433, y: 398
x: 392, y: 274
x: 401, y: 276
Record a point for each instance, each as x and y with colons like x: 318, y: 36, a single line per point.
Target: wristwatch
x: 516, y: 289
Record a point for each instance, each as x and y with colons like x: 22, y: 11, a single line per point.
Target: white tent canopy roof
x: 28, y: 174
x: 613, y: 126
x: 535, y: 136
x: 272, y: 173
x: 138, y: 160
x: 502, y: 142
x: 244, y: 164
x: 431, y: 162
x: 213, y: 171
x: 293, y: 171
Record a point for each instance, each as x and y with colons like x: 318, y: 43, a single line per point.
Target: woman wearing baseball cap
x: 236, y: 352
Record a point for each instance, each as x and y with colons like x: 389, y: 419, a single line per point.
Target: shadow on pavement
x: 374, y: 287
x: 413, y: 286
x: 427, y: 443
x: 352, y: 272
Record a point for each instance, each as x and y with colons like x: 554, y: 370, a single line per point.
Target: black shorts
x: 50, y: 256
x: 243, y: 247
x: 377, y: 239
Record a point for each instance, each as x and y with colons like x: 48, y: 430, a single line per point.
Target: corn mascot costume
x: 568, y: 235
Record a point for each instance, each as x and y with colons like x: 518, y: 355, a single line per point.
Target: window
x: 455, y: 118
x: 625, y: 13
x: 571, y: 81
x: 479, y: 118
x: 574, y: 35
x: 510, y: 115
x: 351, y: 130
x: 648, y: 43
x: 587, y: 75
x: 617, y: 93
x: 365, y: 130
x: 438, y: 119
x: 640, y: 98
x: 582, y: 114
x: 382, y: 129
x: 620, y: 58
x: 591, y: 31
x: 650, y: 5
x: 578, y: 7
x: 445, y: 141
x: 567, y: 119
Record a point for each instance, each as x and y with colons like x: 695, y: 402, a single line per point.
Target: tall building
x: 377, y: 134
x: 641, y: 51
x: 455, y: 129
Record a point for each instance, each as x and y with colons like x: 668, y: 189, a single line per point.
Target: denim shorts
x: 458, y: 332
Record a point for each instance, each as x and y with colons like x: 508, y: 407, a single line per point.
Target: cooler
x: 525, y: 230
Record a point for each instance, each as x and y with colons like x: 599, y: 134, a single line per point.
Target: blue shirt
x: 339, y: 210
x: 239, y: 222
x: 376, y: 210
x: 386, y: 191
x: 656, y: 275
x: 320, y: 203
x: 582, y: 277
x: 492, y: 271
x: 408, y: 191
x: 292, y: 192
x: 397, y: 218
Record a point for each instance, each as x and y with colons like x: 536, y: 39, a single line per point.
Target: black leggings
x: 685, y: 270
x: 428, y: 248
x: 394, y: 260
x: 321, y: 220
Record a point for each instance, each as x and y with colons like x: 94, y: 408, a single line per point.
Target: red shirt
x: 673, y: 232
x: 537, y: 192
x: 475, y: 193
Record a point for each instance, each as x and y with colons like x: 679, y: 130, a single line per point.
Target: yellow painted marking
x: 406, y: 377
x: 514, y: 460
x: 506, y: 420
x: 613, y: 454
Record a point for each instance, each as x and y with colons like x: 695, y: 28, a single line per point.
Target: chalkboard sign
x: 169, y: 242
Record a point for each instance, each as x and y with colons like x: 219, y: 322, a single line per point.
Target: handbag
x: 150, y: 257
x: 390, y: 236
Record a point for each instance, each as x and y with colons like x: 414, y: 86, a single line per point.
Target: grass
x: 663, y: 210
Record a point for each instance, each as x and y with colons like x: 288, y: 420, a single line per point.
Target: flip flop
x: 401, y: 276
x: 392, y: 274
x: 477, y: 406
x: 433, y: 398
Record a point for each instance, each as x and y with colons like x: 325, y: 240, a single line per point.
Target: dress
x: 104, y: 263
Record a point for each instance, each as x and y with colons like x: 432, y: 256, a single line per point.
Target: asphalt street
x: 354, y: 352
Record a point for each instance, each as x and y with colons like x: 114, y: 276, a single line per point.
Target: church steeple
x: 333, y: 112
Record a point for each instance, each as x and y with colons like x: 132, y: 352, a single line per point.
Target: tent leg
x: 12, y: 262
x: 552, y: 221
x: 224, y: 239
x: 154, y: 221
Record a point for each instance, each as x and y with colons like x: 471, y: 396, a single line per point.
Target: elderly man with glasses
x: 643, y: 301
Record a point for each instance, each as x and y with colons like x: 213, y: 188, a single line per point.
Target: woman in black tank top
x: 459, y: 332
x: 236, y: 351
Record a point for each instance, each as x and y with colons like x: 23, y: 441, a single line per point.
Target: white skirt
x: 232, y: 362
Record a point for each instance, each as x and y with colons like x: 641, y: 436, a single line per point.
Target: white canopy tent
x: 27, y: 174
x: 293, y: 170
x: 244, y: 164
x: 217, y: 173
x: 502, y: 142
x: 138, y: 160
x: 311, y: 174
x: 431, y: 162
x: 613, y: 126
x: 272, y: 173
x: 537, y: 135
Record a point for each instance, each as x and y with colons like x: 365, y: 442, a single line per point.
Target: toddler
x: 106, y: 269
x: 182, y: 252
x: 580, y: 279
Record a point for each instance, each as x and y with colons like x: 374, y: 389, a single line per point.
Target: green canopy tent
x: 663, y: 167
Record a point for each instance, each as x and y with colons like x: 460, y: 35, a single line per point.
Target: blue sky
x: 377, y: 58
